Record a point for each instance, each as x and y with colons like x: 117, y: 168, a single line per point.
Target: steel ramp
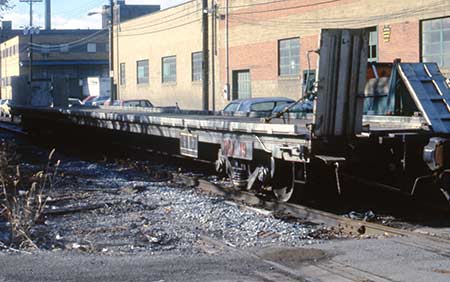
x: 430, y: 93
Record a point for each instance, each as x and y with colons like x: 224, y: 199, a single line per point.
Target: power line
x: 161, y: 22
x: 285, y: 8
x: 69, y: 44
x: 257, y: 4
x: 337, y: 20
x: 165, y: 16
x: 160, y: 30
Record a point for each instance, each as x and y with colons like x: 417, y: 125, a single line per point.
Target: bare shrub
x: 24, y: 197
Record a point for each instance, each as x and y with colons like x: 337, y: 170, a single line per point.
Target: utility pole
x: 117, y: 93
x: 30, y: 43
x: 213, y: 56
x: 48, y: 15
x: 111, y: 50
x: 205, y: 77
x: 227, y: 40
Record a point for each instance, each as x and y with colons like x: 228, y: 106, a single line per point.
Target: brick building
x: 159, y: 55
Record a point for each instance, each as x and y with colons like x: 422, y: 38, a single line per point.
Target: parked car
x: 134, y: 103
x: 107, y: 103
x: 305, y: 106
x: 99, y: 100
x: 88, y: 100
x: 74, y: 102
x: 262, y: 105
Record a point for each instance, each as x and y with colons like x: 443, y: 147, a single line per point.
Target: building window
x: 142, y: 71
x: 197, y: 66
x: 309, y: 78
x: 122, y: 73
x: 169, y: 69
x: 436, y: 41
x: 289, y: 57
x: 45, y: 49
x: 373, y: 44
x: 64, y: 48
x: 91, y: 47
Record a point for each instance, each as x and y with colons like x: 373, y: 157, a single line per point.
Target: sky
x: 69, y: 14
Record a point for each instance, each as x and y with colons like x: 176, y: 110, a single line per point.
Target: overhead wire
x: 259, y: 4
x: 298, y: 22
x: 282, y: 8
x: 161, y: 30
x: 126, y: 28
x: 70, y: 44
x: 169, y: 16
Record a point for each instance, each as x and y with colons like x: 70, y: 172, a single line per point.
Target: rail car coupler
x: 434, y: 153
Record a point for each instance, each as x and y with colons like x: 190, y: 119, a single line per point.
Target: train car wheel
x: 283, y: 181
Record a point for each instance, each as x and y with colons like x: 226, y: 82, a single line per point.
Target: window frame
x: 441, y: 42
x: 377, y: 44
x: 45, y: 49
x: 172, y: 78
x: 280, y: 74
x: 254, y: 106
x: 122, y: 74
x: 230, y: 107
x: 194, y: 74
x: 94, y: 50
x: 147, y: 80
x: 64, y: 48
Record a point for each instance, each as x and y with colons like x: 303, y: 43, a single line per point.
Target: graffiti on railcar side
x: 235, y: 148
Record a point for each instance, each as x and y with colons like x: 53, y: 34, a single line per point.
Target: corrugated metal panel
x: 342, y: 78
x: 430, y: 92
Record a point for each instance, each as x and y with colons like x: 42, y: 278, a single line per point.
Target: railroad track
x: 340, y: 224
x: 353, y: 227
x: 8, y: 125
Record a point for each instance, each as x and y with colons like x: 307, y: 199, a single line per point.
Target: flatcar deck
x: 297, y: 127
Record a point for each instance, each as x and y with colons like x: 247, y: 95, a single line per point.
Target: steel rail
x: 338, y: 223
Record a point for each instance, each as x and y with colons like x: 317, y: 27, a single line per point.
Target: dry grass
x: 23, y: 196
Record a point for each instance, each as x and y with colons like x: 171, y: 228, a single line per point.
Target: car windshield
x: 146, y: 103
x: 231, y: 107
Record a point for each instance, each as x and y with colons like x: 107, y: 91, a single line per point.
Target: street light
x: 94, y: 13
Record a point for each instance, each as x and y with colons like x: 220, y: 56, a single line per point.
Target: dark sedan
x: 259, y: 105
